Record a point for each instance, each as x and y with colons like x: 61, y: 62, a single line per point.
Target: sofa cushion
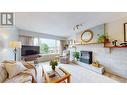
x: 19, y: 79
x: 14, y: 68
x: 27, y: 82
x: 3, y: 73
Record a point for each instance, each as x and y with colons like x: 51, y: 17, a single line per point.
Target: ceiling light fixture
x: 76, y: 30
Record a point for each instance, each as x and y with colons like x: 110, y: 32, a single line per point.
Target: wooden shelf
x: 119, y: 47
x: 112, y: 47
x: 115, y: 46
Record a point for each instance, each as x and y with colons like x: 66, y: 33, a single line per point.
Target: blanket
x: 27, y: 72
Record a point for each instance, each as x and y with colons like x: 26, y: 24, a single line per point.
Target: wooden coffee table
x: 60, y: 75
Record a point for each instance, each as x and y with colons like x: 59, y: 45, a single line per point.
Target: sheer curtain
x: 26, y: 40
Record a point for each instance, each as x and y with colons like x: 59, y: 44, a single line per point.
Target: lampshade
x: 15, y: 44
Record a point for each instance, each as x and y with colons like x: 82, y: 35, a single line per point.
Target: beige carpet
x: 81, y: 75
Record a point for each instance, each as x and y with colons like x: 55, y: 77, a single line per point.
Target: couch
x: 64, y: 59
x: 30, y: 57
x: 27, y: 76
x: 48, y: 57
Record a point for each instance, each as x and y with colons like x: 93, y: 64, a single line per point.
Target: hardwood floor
x: 115, y: 77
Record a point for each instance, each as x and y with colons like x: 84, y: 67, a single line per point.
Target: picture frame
x: 125, y: 32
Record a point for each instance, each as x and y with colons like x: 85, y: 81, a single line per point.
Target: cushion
x: 21, y: 78
x: 3, y: 73
x: 9, y: 61
x: 14, y: 68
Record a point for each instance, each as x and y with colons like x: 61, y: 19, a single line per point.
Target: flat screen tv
x: 30, y: 50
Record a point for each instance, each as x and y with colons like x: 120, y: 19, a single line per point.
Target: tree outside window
x: 47, y: 46
x: 44, y: 48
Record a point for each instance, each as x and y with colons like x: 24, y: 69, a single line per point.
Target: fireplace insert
x: 86, y: 57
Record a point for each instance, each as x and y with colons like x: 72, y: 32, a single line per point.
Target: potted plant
x: 53, y: 64
x: 103, y: 38
x: 76, y: 55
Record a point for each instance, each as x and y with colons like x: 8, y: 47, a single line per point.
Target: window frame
x: 57, y: 51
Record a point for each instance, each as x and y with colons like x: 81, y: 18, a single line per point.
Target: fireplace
x: 86, y: 57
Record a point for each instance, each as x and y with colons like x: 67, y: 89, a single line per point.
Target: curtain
x: 26, y: 40
x: 62, y: 45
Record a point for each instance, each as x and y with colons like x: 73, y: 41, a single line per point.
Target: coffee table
x: 59, y: 75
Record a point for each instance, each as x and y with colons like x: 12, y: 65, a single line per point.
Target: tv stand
x: 30, y: 57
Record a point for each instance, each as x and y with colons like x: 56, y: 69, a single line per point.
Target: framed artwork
x: 125, y: 32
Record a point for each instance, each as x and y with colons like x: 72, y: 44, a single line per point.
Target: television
x: 30, y: 50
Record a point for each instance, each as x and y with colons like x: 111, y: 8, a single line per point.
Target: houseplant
x: 76, y: 55
x: 103, y: 38
x: 53, y: 64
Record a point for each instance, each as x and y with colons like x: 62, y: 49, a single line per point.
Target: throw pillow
x: 14, y: 69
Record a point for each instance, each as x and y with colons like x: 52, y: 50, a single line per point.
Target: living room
x: 68, y: 40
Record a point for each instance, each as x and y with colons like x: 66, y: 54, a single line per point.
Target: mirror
x: 87, y: 36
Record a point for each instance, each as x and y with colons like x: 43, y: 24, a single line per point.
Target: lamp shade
x: 15, y: 44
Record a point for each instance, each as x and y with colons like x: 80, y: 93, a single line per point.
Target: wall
x: 116, y: 29
x: 116, y: 61
x: 35, y: 34
x: 6, y: 35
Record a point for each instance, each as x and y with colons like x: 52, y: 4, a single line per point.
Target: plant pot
x: 53, y: 68
x: 76, y: 59
x: 106, y: 40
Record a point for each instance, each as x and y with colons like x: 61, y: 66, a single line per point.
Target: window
x: 47, y: 45
x: 36, y: 41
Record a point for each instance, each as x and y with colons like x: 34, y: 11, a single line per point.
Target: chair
x: 65, y: 57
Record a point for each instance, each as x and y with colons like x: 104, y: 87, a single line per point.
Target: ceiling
x: 62, y: 23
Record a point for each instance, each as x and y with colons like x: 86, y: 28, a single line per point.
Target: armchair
x: 65, y: 57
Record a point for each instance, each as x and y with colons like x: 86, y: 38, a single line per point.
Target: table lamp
x: 15, y: 45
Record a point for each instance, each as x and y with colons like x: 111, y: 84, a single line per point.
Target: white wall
x: 43, y: 35
x: 6, y: 35
x: 116, y: 29
x: 116, y: 61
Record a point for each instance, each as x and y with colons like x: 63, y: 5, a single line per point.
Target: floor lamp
x: 15, y: 45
